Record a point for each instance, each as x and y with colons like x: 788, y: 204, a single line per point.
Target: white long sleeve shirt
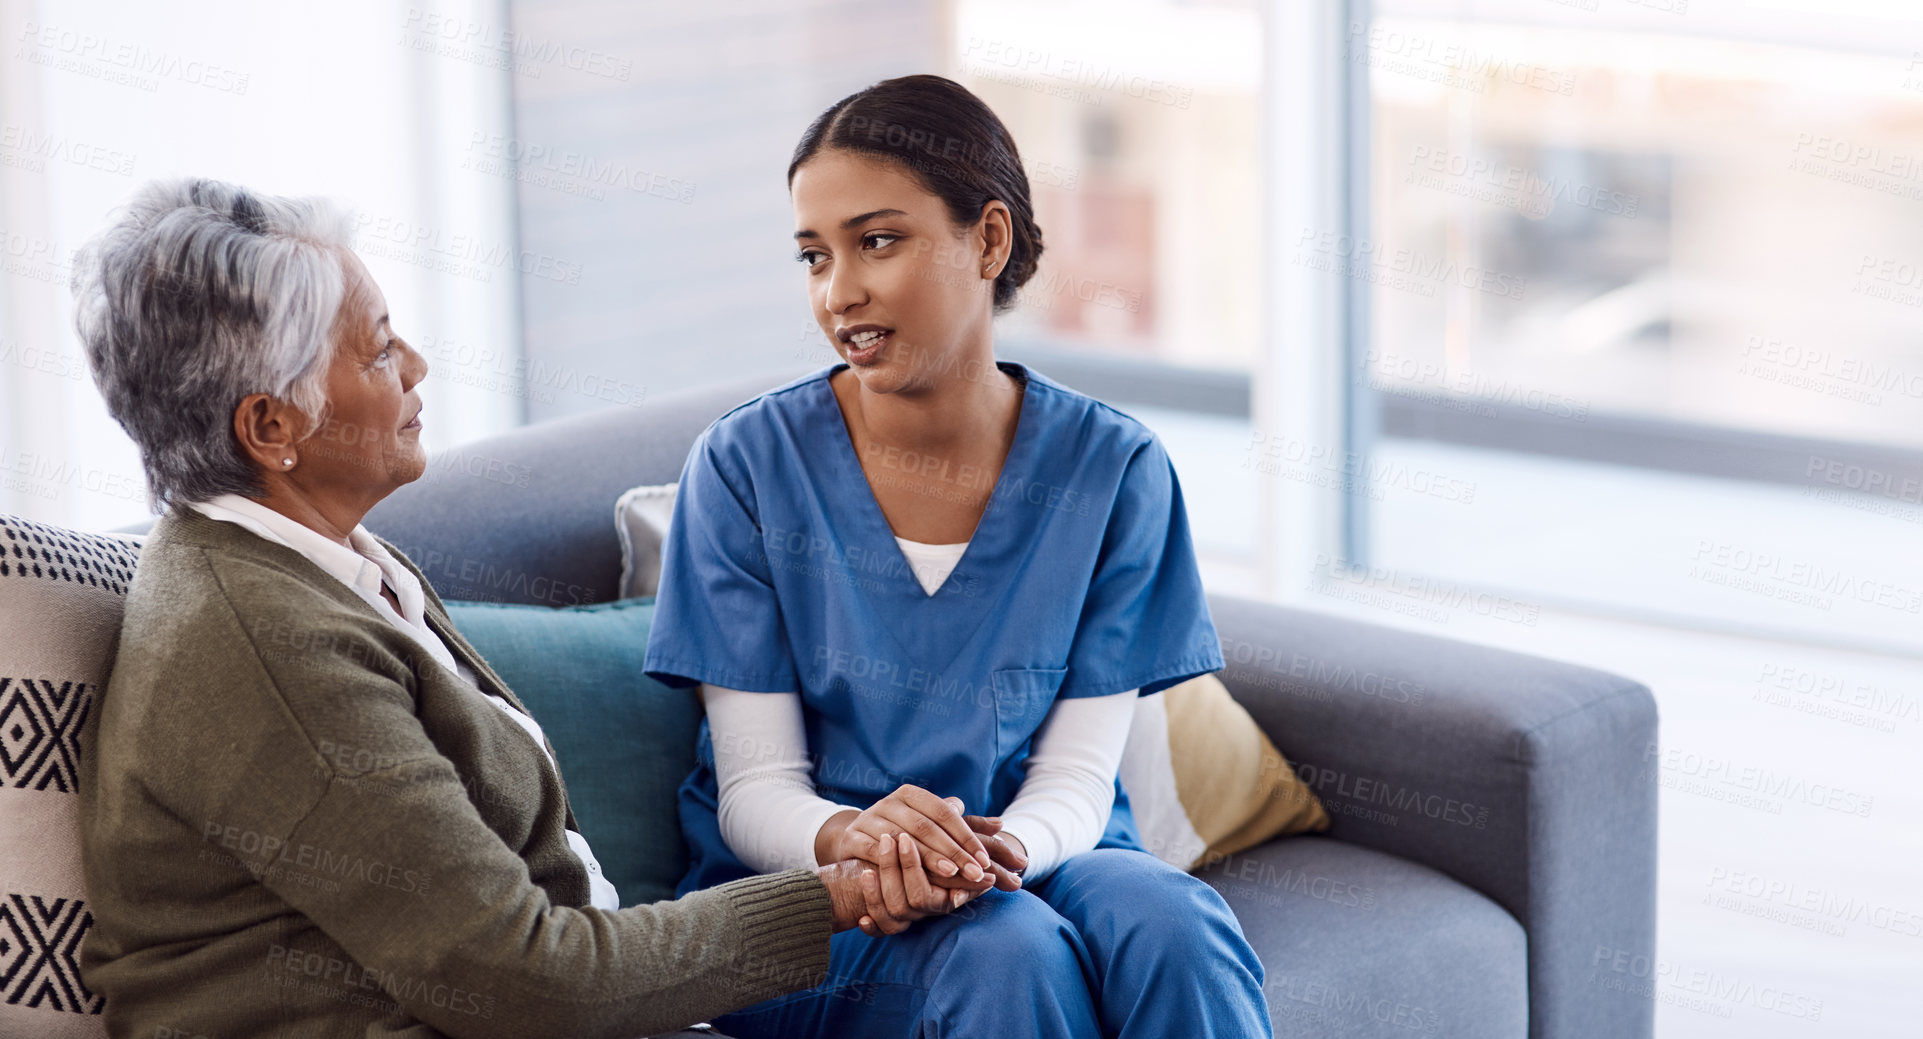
x: 770, y: 814
x: 364, y: 568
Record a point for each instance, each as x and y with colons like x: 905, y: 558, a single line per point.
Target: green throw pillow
x: 624, y: 741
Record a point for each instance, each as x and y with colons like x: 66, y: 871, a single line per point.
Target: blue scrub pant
x: 1113, y: 943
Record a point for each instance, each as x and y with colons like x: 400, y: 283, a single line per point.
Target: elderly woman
x: 310, y: 807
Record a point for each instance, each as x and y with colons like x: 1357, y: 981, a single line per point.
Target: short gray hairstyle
x: 198, y: 294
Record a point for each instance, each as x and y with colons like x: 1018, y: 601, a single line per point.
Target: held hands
x: 954, y: 851
x: 898, y: 891
x: 892, y: 868
x: 885, y: 898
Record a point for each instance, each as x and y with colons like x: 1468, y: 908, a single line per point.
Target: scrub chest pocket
x: 1023, y: 696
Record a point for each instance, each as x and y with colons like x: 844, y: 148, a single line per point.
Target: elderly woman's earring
x: 287, y: 461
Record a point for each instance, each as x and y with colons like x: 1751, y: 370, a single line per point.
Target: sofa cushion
x: 61, y: 596
x: 1357, y: 942
x: 1205, y: 781
x: 624, y: 741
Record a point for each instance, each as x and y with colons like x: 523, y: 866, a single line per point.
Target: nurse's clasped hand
x: 1008, y: 862
x: 954, y: 850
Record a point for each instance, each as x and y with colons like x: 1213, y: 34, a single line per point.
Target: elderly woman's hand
x: 843, y: 881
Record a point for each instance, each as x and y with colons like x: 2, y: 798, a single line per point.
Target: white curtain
x: 377, y: 103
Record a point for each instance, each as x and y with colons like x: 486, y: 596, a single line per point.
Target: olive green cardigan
x: 296, y: 823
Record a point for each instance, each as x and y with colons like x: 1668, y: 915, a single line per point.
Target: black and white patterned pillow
x: 61, y: 596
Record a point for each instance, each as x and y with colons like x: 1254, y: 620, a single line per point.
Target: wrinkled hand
x: 843, y: 881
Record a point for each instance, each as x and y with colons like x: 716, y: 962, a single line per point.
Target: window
x: 1141, y: 135
x: 1659, y: 239
x: 1704, y: 228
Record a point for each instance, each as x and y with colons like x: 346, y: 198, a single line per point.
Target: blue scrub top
x: 780, y: 574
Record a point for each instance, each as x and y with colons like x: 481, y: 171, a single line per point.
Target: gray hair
x: 197, y: 295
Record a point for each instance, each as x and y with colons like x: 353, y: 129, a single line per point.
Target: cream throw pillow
x: 61, y: 597
x: 1204, y: 781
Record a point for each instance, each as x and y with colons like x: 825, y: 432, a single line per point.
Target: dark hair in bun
x: 954, y: 146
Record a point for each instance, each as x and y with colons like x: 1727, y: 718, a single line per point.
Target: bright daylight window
x: 1649, y: 278
x: 1704, y: 229
x: 1141, y: 137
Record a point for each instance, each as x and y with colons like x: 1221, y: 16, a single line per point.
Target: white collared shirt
x: 364, y: 568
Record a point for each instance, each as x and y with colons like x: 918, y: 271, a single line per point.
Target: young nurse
x: 921, y: 591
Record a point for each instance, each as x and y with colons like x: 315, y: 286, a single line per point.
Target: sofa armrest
x: 1523, y: 778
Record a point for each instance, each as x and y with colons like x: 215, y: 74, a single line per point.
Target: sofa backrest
x: 528, y: 517
x: 61, y: 598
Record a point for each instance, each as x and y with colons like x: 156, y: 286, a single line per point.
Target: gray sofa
x: 1491, y: 868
